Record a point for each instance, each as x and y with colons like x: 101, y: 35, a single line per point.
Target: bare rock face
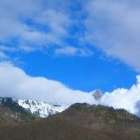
x: 97, y: 94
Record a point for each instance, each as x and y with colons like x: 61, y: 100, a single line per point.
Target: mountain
x: 33, y: 107
x: 41, y: 108
x: 97, y: 116
x: 97, y: 94
x: 78, y: 122
x: 11, y: 112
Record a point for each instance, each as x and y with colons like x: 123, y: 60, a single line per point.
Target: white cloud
x: 42, y: 13
x: 58, y: 21
x: 128, y: 99
x: 114, y: 27
x: 72, y: 51
x: 14, y: 82
x: 51, y: 25
x: 111, y: 25
x: 55, y: 24
x: 12, y: 11
x: 11, y: 25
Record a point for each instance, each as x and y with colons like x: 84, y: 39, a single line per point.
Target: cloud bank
x: 36, y: 25
x: 14, y: 82
x: 114, y: 27
x: 128, y: 99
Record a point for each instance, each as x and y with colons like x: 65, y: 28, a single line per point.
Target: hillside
x: 12, y: 113
x: 79, y: 122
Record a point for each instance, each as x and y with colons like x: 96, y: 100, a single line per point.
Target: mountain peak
x: 41, y: 108
x: 97, y: 94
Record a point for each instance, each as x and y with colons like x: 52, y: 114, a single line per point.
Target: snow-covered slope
x: 41, y: 108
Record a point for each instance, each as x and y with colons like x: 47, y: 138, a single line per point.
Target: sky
x: 72, y: 47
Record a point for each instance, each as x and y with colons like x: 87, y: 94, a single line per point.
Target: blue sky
x: 84, y: 73
x: 85, y: 44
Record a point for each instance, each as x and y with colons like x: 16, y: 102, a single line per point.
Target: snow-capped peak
x: 41, y: 108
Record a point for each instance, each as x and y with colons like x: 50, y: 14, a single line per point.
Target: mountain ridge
x: 12, y: 113
x: 78, y: 122
x: 41, y: 108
